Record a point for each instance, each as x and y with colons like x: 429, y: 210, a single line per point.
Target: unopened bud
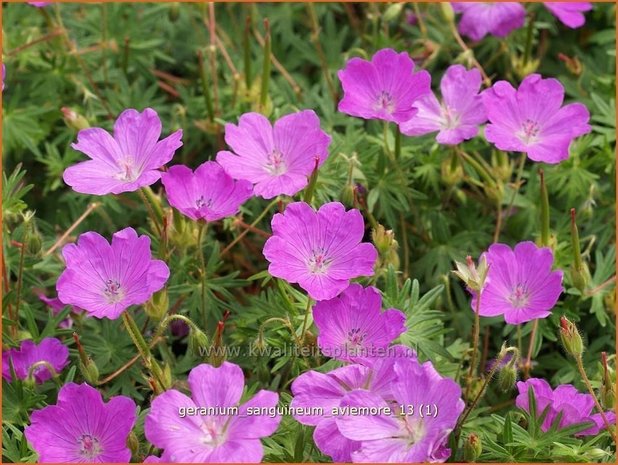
x: 89, y: 371
x: 133, y: 443
x: 73, y: 119
x: 448, y: 12
x: 472, y: 448
x: 348, y: 195
x: 392, y: 12
x: 472, y: 276
x: 451, y: 170
x: 198, y: 341
x: 387, y: 246
x: 507, y: 377
x: 569, y: 335
x: 33, y: 239
x: 157, y: 306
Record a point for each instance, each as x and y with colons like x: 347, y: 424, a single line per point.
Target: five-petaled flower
x: 126, y: 161
x: 320, y: 250
x: 105, y: 279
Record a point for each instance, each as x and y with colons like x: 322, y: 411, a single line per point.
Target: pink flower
x: 566, y: 400
x: 190, y: 433
x: 106, y: 279
x: 125, y: 162
x: 325, y: 392
x: 82, y: 428
x: 569, y: 13
x: 276, y: 158
x: 30, y: 354
x: 496, y: 18
x: 532, y: 119
x: 38, y: 4
x: 209, y: 193
x: 459, y: 115
x: 384, y: 88
x: 321, y: 251
x: 353, y: 326
x: 57, y: 306
x: 520, y: 283
x: 415, y: 428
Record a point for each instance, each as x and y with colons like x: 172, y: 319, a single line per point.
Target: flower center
x: 89, y: 446
x: 386, y: 102
x: 212, y: 436
x: 414, y: 428
x: 276, y: 163
x: 201, y: 203
x: 520, y: 296
x: 450, y: 118
x: 355, y: 337
x: 113, y: 291
x: 319, y: 262
x: 529, y: 132
x: 127, y: 172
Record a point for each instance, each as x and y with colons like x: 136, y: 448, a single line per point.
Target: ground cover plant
x: 308, y: 232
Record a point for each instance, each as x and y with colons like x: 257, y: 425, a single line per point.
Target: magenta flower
x: 531, y: 119
x: 574, y: 406
x: 191, y: 433
x: 38, y: 4
x: 125, y: 162
x: 321, y: 251
x: 325, y: 391
x: 417, y: 426
x: 30, y: 355
x: 57, y: 306
x: 496, y: 18
x: 106, y: 279
x: 569, y: 13
x: 520, y: 283
x: 276, y: 158
x: 384, y: 88
x: 82, y: 428
x: 353, y: 325
x: 209, y: 194
x: 459, y: 115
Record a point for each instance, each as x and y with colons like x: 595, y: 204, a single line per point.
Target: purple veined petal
x: 569, y: 13
x: 498, y: 19
x: 331, y: 442
x: 249, y: 424
x: 314, y: 390
x: 367, y: 427
x: 216, y: 387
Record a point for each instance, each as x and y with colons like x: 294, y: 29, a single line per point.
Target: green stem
x: 544, y: 212
x: 520, y: 173
x: 265, y: 66
x: 255, y: 222
x: 529, y: 34
x: 203, y: 227
x: 247, y: 53
x: 397, y: 142
x: 582, y: 372
x: 210, y: 111
x: 20, y: 280
x: 476, y: 330
x: 143, y: 349
x: 306, y: 319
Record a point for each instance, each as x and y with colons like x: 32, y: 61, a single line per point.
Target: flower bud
x: 448, y: 12
x: 452, y: 170
x: 580, y: 274
x: 89, y: 371
x: 473, y: 278
x: 174, y: 11
x: 73, y: 119
x: 507, y: 377
x: 33, y: 240
x: 157, y: 306
x: 392, y: 12
x: 501, y: 165
x: 571, y: 340
x: 348, y: 194
x: 133, y: 443
x: 472, y: 448
x: 387, y: 246
x: 198, y: 342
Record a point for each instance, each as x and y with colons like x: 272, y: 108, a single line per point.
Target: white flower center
x: 128, y: 172
x: 520, y: 296
x: 529, y: 132
x: 414, y: 428
x: 450, y: 118
x: 386, y: 102
x: 319, y: 262
x: 113, y: 291
x: 89, y: 446
x: 276, y: 164
x: 212, y: 436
